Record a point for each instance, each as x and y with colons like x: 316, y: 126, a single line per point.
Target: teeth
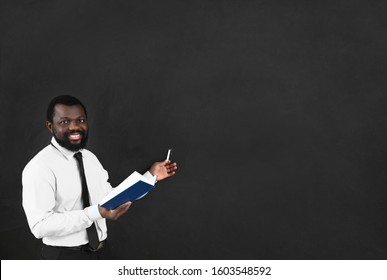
x: 75, y: 136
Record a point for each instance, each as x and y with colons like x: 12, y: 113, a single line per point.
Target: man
x: 63, y: 179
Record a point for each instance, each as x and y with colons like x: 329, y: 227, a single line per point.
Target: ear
x: 49, y: 126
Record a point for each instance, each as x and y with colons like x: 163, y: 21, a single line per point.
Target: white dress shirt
x: 52, y: 197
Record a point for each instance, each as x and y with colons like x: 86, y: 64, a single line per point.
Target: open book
x: 132, y: 188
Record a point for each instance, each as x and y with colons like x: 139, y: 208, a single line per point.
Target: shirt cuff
x: 93, y: 213
x: 150, y: 177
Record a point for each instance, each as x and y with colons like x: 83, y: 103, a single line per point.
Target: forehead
x: 71, y: 112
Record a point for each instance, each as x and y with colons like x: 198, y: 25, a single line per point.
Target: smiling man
x: 63, y: 184
x: 68, y: 125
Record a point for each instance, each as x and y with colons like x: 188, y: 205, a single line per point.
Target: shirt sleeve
x: 93, y: 212
x: 38, y: 199
x: 150, y: 177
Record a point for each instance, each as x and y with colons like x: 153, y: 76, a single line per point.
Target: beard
x: 65, y: 142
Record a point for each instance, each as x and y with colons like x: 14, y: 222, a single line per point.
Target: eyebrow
x: 68, y: 118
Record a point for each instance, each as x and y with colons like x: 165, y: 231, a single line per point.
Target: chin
x: 72, y: 145
x: 78, y: 142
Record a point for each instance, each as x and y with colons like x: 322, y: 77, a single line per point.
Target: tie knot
x: 78, y: 156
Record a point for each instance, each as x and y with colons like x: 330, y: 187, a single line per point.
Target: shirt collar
x: 67, y: 153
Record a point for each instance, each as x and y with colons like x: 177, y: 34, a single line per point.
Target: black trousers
x: 74, y: 253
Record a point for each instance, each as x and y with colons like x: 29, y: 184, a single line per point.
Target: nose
x: 74, y: 125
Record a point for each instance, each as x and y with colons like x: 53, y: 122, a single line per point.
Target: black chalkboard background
x: 276, y: 111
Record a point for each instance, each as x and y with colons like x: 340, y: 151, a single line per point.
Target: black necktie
x: 92, y: 230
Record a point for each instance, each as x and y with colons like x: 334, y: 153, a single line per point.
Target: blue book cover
x: 131, y: 189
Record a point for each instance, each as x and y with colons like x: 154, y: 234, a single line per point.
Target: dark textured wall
x: 275, y: 109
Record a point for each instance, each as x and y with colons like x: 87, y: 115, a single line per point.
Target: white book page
x: 127, y: 183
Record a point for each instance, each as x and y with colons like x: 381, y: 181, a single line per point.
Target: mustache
x: 81, y: 132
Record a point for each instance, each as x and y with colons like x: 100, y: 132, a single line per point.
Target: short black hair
x: 65, y: 100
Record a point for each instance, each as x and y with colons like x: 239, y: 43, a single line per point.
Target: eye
x: 64, y: 122
x: 81, y: 120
